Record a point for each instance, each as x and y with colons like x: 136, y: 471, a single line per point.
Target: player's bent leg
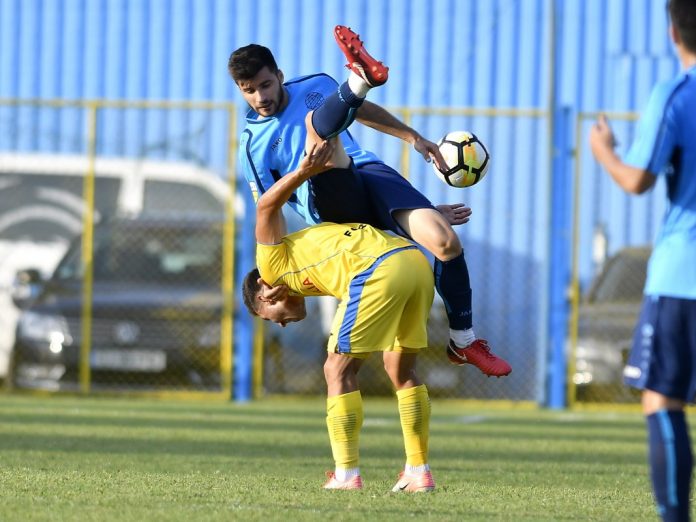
x: 430, y: 229
x: 339, y: 159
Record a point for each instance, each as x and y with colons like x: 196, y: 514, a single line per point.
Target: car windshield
x: 623, y: 280
x: 150, y: 255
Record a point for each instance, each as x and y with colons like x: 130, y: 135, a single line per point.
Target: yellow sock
x: 344, y: 418
x: 414, y: 411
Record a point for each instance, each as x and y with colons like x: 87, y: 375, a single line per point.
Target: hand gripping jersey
x: 272, y: 147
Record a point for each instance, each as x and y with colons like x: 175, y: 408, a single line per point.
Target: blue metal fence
x: 442, y: 54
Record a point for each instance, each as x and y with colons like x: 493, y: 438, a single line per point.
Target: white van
x: 41, y: 209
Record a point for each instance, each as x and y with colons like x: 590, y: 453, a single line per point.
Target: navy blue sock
x: 452, y: 283
x: 337, y: 112
x: 671, y: 461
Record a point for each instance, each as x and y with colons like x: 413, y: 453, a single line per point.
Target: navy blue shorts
x: 368, y: 194
x: 663, y: 357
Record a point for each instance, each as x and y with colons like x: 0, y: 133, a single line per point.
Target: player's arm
x: 380, y: 119
x: 631, y: 179
x: 270, y: 225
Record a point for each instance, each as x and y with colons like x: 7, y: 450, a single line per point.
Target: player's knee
x: 309, y: 124
x: 446, y: 245
x: 334, y: 371
x: 330, y: 370
x: 398, y: 375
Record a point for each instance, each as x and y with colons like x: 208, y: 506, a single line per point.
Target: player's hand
x: 272, y: 294
x: 430, y: 152
x: 602, y: 138
x: 456, y: 214
x: 317, y: 158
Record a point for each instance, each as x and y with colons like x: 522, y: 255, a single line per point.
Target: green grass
x: 104, y: 459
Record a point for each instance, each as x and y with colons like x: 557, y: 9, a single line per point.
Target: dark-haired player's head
x: 247, y: 61
x: 682, y: 14
x: 250, y: 291
x: 255, y: 71
x: 290, y: 309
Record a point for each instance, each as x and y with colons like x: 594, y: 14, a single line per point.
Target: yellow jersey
x: 324, y: 258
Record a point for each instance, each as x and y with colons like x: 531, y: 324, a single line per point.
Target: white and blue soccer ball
x: 467, y: 159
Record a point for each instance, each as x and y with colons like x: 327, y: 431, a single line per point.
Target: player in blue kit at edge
x: 662, y: 362
x: 365, y: 190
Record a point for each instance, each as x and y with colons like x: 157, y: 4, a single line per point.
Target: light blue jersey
x: 666, y: 145
x: 274, y: 146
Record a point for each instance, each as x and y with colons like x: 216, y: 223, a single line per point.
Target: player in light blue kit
x: 364, y: 189
x: 663, y: 360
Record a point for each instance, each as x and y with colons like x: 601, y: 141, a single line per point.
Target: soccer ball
x: 466, y: 157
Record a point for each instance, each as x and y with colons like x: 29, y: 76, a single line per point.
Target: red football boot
x: 360, y: 62
x: 479, y: 354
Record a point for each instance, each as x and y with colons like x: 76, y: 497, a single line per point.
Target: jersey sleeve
x: 249, y: 167
x: 272, y: 262
x: 330, y: 82
x: 657, y: 133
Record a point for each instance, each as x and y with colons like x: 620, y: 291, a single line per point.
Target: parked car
x: 156, y: 309
x: 607, y: 317
x: 41, y: 209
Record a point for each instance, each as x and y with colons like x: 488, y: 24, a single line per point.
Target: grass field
x: 104, y: 459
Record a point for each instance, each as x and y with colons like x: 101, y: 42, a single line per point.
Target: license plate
x: 130, y: 360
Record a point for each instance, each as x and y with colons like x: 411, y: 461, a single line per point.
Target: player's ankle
x: 344, y: 474
x: 416, y: 470
x: 349, y: 96
x: 357, y: 85
x: 463, y: 338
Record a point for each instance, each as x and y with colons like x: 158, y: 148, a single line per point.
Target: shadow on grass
x: 267, y: 446
x: 285, y: 444
x: 249, y: 422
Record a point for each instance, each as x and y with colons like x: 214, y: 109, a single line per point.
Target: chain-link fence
x: 117, y: 248
x: 116, y: 241
x: 609, y: 270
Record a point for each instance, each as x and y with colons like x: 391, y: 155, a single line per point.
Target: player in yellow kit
x: 357, y: 264
x: 385, y: 285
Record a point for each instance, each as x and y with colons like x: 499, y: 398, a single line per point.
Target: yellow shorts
x: 386, y: 307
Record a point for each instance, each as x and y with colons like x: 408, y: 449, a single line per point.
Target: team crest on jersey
x: 313, y: 100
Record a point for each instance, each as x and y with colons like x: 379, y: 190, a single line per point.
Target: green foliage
x: 97, y: 459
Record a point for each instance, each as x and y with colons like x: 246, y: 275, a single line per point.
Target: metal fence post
x: 229, y: 258
x: 88, y: 251
x: 244, y: 334
x: 559, y: 256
